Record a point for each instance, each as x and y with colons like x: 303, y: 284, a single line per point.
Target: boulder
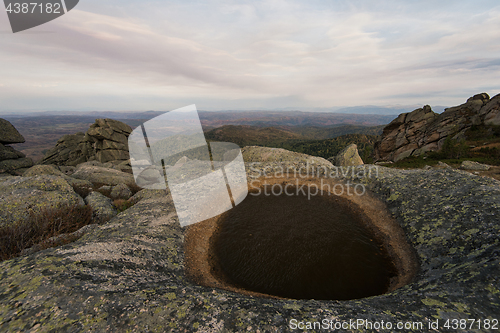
x: 99, y: 176
x: 120, y: 191
x: 13, y: 165
x: 80, y: 186
x: 8, y: 133
x: 105, y: 141
x: 129, y: 274
x: 11, y: 160
x: 444, y: 165
x: 475, y: 166
x: 255, y: 154
x: 9, y: 153
x: 348, y: 156
x: 422, y: 130
x: 22, y: 196
x: 103, y: 209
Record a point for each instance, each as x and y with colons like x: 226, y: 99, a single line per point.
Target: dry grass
x: 40, y: 227
x: 122, y: 204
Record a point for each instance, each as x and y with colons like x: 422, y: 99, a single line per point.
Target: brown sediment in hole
x: 203, y: 265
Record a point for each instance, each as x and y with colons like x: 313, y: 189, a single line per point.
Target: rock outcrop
x: 422, y: 130
x: 128, y: 275
x: 11, y: 160
x: 348, y: 156
x: 105, y: 141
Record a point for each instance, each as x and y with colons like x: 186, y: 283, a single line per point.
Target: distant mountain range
x: 363, y: 109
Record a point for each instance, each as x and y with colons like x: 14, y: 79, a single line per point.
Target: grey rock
x: 471, y: 165
x: 445, y: 165
x: 8, y: 133
x: 147, y: 194
x: 105, y: 190
x: 121, y: 191
x: 348, y: 156
x: 9, y: 153
x: 12, y: 165
x: 68, y: 151
x: 103, y: 209
x: 67, y: 170
x: 103, y: 176
x: 105, y: 141
x: 20, y: 196
x: 39, y: 170
x: 81, y: 187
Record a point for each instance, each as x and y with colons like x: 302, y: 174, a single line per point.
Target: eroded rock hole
x: 299, y: 247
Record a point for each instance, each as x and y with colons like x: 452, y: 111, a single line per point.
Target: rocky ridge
x: 422, y: 130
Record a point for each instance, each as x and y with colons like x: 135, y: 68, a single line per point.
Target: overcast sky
x: 223, y: 54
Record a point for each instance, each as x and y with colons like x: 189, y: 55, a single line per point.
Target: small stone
x: 471, y: 165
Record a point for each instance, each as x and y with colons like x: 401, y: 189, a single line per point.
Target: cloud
x: 248, y: 54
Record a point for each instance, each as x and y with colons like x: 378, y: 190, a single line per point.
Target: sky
x: 119, y: 55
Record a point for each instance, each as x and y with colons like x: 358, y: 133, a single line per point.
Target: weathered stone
x: 20, y: 196
x: 445, y: 165
x: 66, y: 152
x: 67, y: 170
x: 11, y: 165
x: 491, y: 111
x: 255, y: 154
x: 112, y: 155
x: 121, y: 191
x: 100, y: 133
x: 106, y: 144
x: 8, y: 153
x: 39, y: 170
x: 348, y: 156
x: 133, y: 267
x: 103, y: 209
x: 80, y: 186
x: 8, y: 133
x: 103, y: 176
x: 115, y: 125
x: 105, y: 141
x: 471, y: 165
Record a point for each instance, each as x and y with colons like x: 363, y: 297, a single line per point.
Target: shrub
x: 452, y: 149
x: 40, y: 227
x: 122, y: 204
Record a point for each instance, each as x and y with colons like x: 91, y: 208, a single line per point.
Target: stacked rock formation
x: 105, y: 141
x: 11, y: 159
x: 422, y: 130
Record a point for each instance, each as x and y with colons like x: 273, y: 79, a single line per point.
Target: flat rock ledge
x: 128, y: 275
